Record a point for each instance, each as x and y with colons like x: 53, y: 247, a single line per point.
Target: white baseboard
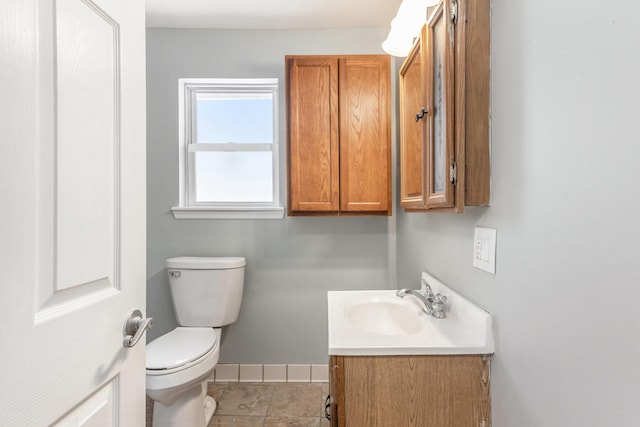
x: 300, y: 373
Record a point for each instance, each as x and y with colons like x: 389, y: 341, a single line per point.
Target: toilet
x: 206, y: 294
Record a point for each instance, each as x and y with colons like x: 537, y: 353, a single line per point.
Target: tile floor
x: 267, y: 404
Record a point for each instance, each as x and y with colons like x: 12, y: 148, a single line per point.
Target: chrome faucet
x: 433, y: 303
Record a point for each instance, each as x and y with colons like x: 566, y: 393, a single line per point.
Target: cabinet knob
x: 421, y: 114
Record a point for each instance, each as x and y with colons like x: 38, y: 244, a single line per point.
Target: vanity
x: 391, y: 364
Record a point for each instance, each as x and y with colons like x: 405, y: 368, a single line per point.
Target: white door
x: 72, y: 211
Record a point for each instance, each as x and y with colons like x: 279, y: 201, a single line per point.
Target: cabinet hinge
x: 454, y: 11
x: 453, y: 173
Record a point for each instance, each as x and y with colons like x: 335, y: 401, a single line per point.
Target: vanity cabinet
x: 410, y: 391
x: 338, y: 135
x: 449, y: 128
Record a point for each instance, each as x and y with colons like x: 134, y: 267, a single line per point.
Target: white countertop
x: 381, y: 323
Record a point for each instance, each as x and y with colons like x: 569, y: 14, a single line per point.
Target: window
x: 228, y: 149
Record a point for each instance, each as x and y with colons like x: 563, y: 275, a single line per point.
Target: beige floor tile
x: 325, y: 389
x: 245, y: 399
x: 247, y: 404
x: 296, y: 400
x: 149, y: 411
x: 235, y: 421
x: 216, y: 390
x: 291, y: 422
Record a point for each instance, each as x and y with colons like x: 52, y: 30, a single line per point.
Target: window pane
x: 234, y: 176
x: 240, y: 120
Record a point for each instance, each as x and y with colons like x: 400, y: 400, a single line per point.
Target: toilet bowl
x: 206, y: 294
x: 177, y: 365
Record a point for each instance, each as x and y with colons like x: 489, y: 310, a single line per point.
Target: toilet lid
x: 206, y: 263
x: 179, y: 347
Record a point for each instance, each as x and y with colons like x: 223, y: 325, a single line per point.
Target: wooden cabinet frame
x: 466, y: 90
x: 472, y: 74
x: 338, y: 135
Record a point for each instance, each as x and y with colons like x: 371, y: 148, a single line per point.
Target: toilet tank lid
x: 206, y: 263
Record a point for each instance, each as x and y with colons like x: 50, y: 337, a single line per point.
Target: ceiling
x: 271, y: 14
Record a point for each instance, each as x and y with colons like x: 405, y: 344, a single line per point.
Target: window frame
x: 189, y: 208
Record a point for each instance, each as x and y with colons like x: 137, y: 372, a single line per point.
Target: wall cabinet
x: 338, y: 135
x: 410, y: 391
x: 449, y: 128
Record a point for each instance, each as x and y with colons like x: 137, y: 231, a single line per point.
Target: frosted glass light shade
x: 412, y: 14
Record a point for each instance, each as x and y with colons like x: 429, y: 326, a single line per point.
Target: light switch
x: 484, y: 249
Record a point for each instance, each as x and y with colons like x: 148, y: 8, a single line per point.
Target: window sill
x: 200, y: 212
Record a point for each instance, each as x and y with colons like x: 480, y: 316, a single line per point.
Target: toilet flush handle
x: 135, y: 327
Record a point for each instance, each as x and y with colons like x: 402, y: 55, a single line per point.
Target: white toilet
x: 206, y: 293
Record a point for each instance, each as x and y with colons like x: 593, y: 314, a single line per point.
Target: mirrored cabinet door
x: 440, y: 173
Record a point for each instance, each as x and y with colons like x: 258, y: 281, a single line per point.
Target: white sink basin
x: 381, y: 323
x: 384, y: 315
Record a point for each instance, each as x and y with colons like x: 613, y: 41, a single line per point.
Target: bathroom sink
x: 377, y: 322
x: 384, y: 315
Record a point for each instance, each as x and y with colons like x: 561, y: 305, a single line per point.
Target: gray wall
x: 566, y: 204
x: 291, y: 263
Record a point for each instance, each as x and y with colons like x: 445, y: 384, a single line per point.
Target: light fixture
x: 412, y: 14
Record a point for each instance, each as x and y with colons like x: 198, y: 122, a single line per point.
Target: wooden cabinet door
x: 439, y: 161
x: 412, y: 391
x: 365, y: 134
x: 312, y: 140
x: 413, y: 115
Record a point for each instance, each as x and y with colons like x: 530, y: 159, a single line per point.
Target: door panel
x: 73, y: 217
x: 413, y: 114
x: 97, y: 410
x: 313, y: 134
x: 86, y: 145
x: 365, y: 158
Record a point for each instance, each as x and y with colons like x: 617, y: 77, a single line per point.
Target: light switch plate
x: 484, y: 249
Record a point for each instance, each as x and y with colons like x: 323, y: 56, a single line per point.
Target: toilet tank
x: 206, y: 291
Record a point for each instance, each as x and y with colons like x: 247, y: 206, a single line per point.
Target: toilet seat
x: 179, y: 349
x: 166, y: 384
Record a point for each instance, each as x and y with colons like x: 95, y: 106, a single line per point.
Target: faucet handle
x: 439, y: 299
x: 425, y: 289
x: 438, y: 305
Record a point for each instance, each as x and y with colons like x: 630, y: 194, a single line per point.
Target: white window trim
x: 187, y: 89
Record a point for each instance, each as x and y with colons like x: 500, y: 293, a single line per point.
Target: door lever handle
x: 135, y: 327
